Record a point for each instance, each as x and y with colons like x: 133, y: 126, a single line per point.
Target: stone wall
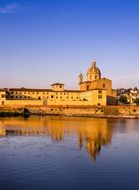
x: 22, y: 102
x: 92, y: 111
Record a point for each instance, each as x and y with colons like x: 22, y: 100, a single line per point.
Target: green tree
x: 136, y: 101
x: 123, y: 100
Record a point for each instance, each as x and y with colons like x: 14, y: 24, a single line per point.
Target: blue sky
x: 47, y: 41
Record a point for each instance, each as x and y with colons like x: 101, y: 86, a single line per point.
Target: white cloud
x: 10, y: 8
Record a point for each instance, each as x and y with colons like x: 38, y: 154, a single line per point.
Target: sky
x: 48, y: 41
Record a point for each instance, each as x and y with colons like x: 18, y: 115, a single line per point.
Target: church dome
x: 93, y: 69
x: 93, y: 72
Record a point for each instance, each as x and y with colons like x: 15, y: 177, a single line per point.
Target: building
x: 2, y: 96
x: 94, y: 91
x: 94, y: 81
x: 128, y: 96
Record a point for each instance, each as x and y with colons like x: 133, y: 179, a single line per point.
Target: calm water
x: 69, y: 153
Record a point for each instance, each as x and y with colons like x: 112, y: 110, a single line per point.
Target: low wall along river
x: 81, y: 111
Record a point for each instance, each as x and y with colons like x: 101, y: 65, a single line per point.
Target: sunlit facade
x: 94, y: 91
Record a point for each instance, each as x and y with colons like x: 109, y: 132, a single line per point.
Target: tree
x: 136, y: 101
x: 123, y: 100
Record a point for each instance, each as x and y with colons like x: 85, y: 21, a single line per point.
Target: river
x: 61, y: 153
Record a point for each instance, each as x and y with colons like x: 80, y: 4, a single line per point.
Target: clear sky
x: 47, y: 41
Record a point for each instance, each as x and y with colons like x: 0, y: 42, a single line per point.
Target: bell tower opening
x: 80, y: 78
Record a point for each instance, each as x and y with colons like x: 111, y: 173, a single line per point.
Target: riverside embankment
x: 76, y: 111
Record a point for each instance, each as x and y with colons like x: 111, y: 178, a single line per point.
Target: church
x: 93, y: 91
x: 95, y: 81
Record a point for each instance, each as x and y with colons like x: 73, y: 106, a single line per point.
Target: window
x: 43, y: 92
x: 100, y: 91
x: 39, y: 98
x: 60, y: 86
x: 3, y: 95
x: 95, y: 76
x: 12, y: 92
x: 103, y: 85
x: 87, y: 87
x: 52, y: 96
x: 37, y: 92
x: 47, y: 92
x: 99, y: 96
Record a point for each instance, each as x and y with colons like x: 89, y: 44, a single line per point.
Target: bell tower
x: 80, y: 78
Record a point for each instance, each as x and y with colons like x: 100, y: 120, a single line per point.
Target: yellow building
x: 94, y: 91
x: 94, y: 81
x: 2, y: 96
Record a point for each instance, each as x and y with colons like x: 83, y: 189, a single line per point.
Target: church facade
x: 93, y: 91
x: 95, y: 81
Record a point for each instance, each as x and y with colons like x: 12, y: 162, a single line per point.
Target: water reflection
x: 54, y: 153
x: 90, y: 133
x: 94, y: 137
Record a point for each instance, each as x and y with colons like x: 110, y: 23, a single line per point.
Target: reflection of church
x: 94, y: 139
x: 91, y: 134
x: 95, y: 90
x: 56, y: 133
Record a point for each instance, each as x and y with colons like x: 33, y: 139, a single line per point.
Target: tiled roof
x: 29, y: 89
x: 57, y: 84
x: 1, y: 89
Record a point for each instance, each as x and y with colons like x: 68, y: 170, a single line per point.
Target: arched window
x: 103, y: 85
x: 87, y: 87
